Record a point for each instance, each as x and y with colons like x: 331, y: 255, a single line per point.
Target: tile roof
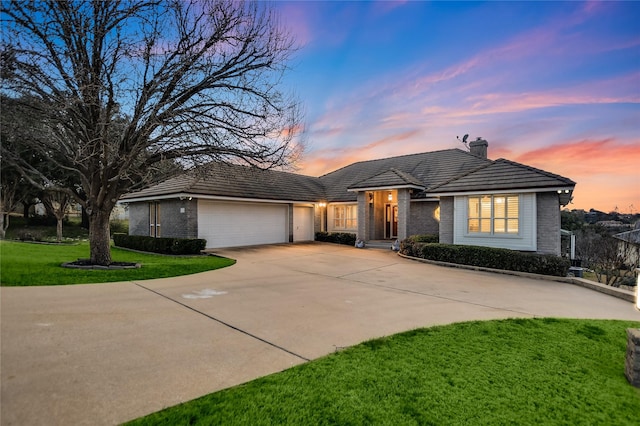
x: 632, y: 236
x: 445, y: 171
x: 502, y: 174
x: 429, y: 168
x: 227, y: 180
x: 390, y: 178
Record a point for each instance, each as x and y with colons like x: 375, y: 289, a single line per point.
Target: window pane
x: 499, y: 207
x: 499, y: 226
x: 474, y: 225
x: 485, y: 207
x: 513, y: 207
x: 474, y: 207
x: 512, y: 226
x: 485, y: 225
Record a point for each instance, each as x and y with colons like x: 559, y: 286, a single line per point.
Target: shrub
x: 175, y: 246
x: 119, y: 226
x: 412, y: 246
x: 30, y: 235
x: 344, y: 238
x: 488, y: 257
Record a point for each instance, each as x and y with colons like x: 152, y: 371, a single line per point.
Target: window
x: 154, y: 219
x: 494, y: 214
x: 345, y: 217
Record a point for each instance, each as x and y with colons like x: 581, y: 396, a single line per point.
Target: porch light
x: 322, y: 204
x: 390, y: 196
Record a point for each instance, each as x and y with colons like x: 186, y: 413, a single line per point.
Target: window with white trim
x: 345, y: 217
x: 154, y: 219
x: 493, y: 214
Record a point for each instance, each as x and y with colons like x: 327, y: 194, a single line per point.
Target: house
x: 629, y: 247
x: 462, y: 196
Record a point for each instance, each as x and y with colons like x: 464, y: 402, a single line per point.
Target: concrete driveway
x: 108, y: 353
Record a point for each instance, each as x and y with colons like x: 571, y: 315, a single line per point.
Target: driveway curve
x: 108, y: 353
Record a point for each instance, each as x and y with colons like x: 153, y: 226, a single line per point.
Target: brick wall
x: 548, y: 223
x: 178, y: 218
x: 172, y: 221
x: 422, y: 219
x: 446, y: 220
x: 404, y: 212
x: 139, y: 219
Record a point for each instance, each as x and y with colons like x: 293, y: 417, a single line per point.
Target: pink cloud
x: 323, y: 161
x: 605, y: 170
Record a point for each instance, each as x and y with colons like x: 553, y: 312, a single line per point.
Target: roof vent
x: 479, y: 148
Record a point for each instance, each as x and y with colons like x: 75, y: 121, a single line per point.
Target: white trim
x: 525, y: 240
x: 418, y: 200
x: 503, y: 191
x: 212, y: 197
x: 386, y: 188
x: 331, y: 203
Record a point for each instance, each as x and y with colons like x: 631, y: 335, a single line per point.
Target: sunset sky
x: 555, y: 85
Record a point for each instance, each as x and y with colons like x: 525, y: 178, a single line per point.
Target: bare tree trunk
x: 99, y: 238
x: 4, y: 224
x: 59, y: 229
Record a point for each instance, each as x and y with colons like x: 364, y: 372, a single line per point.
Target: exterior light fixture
x: 322, y: 204
x: 390, y: 196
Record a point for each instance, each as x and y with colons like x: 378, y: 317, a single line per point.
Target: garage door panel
x: 225, y: 224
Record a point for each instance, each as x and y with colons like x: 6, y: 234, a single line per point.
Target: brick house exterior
x: 463, y: 197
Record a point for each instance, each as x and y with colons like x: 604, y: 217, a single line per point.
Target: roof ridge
x: 395, y: 157
x: 408, y: 177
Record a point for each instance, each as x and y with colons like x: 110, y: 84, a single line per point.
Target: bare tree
x: 126, y: 86
x: 609, y: 257
x: 56, y: 204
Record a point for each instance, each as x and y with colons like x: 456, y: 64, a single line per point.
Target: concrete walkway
x: 108, y: 353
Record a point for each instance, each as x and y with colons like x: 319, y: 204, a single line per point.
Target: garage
x: 229, y: 224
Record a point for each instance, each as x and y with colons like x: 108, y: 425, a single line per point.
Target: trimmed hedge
x: 337, y: 237
x: 175, y: 246
x: 488, y: 257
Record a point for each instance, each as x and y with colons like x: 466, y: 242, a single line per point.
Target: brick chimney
x: 479, y: 148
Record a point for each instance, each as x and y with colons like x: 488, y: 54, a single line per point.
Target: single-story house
x: 463, y: 196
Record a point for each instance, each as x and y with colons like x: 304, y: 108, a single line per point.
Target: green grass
x: 31, y: 264
x: 519, y: 371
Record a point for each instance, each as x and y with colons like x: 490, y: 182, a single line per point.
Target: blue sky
x: 555, y: 85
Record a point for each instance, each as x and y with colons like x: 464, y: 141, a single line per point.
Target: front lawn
x: 518, y: 371
x: 26, y: 264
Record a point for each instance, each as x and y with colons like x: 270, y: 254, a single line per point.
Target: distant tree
x: 16, y: 126
x: 129, y: 89
x: 572, y: 220
x: 605, y: 255
x: 56, y: 203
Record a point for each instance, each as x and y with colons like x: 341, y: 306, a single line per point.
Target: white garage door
x: 303, y: 224
x: 228, y: 224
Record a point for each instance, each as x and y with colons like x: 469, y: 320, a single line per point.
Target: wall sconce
x: 370, y: 197
x: 390, y: 196
x: 322, y: 204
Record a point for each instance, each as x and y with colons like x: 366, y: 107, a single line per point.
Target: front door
x: 391, y: 221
